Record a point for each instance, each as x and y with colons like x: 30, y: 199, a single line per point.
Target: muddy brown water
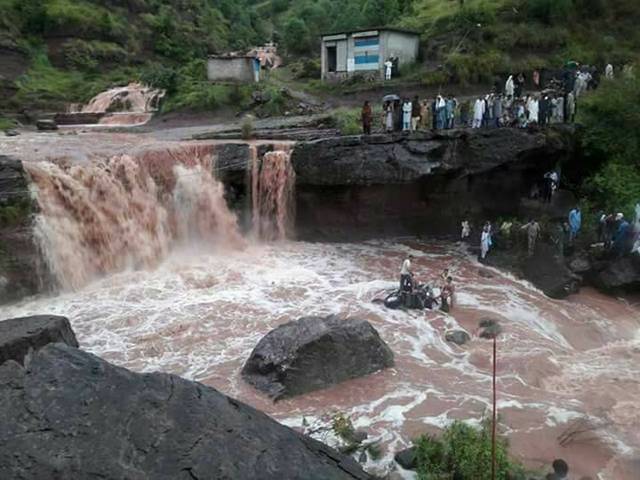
x: 565, y: 369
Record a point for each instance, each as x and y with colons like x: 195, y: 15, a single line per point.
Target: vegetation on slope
x: 473, y: 40
x: 73, y: 48
x: 611, y: 142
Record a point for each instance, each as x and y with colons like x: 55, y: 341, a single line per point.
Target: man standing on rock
x: 415, y: 113
x: 533, y: 231
x: 367, y: 118
x: 478, y: 113
x: 406, y: 277
x: 407, y: 108
x: 388, y: 65
x: 575, y: 223
x: 485, y: 241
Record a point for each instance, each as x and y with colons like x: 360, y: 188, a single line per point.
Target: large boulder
x: 73, y: 415
x: 19, y: 337
x: 314, y: 353
x: 547, y: 270
x: 619, y: 275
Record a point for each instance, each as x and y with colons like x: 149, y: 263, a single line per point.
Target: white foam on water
x: 199, y: 314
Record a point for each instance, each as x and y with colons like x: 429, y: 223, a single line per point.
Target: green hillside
x: 58, y: 51
x: 469, y: 41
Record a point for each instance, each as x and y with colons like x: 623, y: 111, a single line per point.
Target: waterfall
x: 127, y: 211
x: 131, y: 98
x: 273, y: 193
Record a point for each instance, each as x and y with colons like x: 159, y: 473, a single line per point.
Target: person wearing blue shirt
x: 575, y: 222
x: 621, y: 235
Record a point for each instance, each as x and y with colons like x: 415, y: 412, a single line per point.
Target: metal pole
x: 493, y: 434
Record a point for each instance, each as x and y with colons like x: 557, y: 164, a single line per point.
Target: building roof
x: 360, y: 30
x: 230, y: 57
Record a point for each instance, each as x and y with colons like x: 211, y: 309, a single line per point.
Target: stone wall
x: 230, y: 69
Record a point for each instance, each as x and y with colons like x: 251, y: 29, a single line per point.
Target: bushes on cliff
x: 611, y: 141
x: 465, y: 451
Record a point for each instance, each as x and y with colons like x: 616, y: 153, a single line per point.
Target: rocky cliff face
x: 425, y: 183
x: 21, y: 266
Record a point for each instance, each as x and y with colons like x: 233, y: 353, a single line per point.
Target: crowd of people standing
x: 552, y: 99
x: 615, y: 234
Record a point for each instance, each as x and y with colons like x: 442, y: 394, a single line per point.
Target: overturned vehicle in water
x: 420, y: 297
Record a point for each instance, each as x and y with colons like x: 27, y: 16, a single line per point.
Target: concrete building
x: 366, y: 51
x: 231, y: 68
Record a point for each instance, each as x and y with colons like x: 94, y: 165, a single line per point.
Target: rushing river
x: 568, y: 369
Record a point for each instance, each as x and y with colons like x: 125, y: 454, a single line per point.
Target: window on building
x: 366, y: 41
x: 366, y: 58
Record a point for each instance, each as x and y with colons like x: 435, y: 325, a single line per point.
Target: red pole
x: 493, y: 434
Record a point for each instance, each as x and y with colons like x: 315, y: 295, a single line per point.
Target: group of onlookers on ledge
x: 615, y: 234
x: 553, y: 100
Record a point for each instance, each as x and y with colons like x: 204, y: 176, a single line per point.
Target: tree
x: 611, y: 140
x: 296, y: 37
x: 379, y: 13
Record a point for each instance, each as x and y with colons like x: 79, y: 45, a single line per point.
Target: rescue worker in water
x: 406, y: 276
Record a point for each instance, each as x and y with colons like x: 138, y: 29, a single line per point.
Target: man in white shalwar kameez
x: 478, y: 113
x: 534, y: 108
x: 608, y: 71
x: 509, y: 87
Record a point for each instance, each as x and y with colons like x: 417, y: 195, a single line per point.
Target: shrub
x: 247, y: 128
x: 158, y: 76
x: 549, y: 11
x: 466, y: 451
x: 309, y: 68
x: 347, y: 121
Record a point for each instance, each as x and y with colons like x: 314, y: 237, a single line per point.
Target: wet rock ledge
x: 70, y: 414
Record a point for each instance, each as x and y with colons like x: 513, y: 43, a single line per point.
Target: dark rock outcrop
x: 423, y: 183
x: 73, y: 415
x: 46, y: 125
x: 548, y: 272
x: 314, y: 353
x: 459, y: 337
x: 20, y: 337
x: 406, y: 458
x: 618, y: 275
x: 22, y: 267
x: 78, y: 118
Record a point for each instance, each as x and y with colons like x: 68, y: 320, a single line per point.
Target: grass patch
x: 48, y: 88
x: 6, y: 124
x: 347, y: 120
